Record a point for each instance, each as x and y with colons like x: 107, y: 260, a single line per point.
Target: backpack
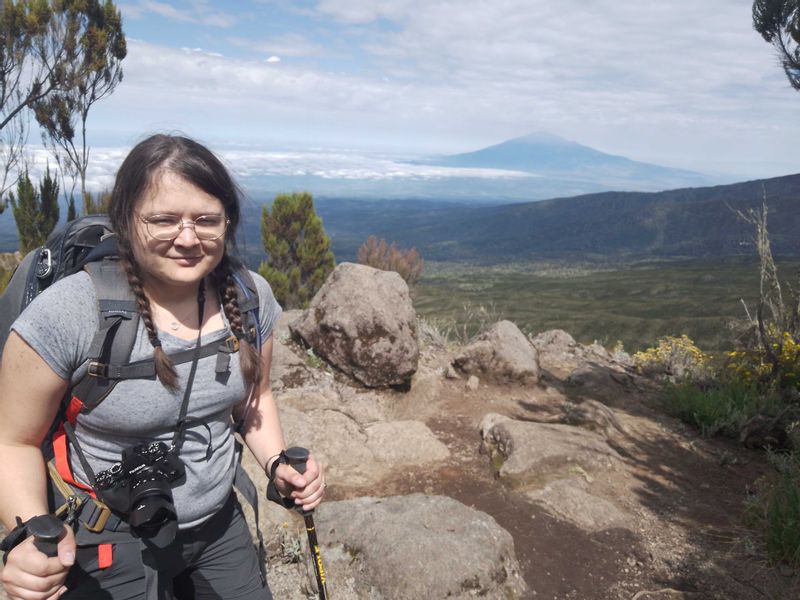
x: 88, y: 243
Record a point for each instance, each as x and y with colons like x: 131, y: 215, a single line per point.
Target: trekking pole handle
x: 47, y: 531
x: 297, y: 457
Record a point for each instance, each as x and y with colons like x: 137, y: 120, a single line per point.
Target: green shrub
x: 723, y: 407
x: 775, y: 510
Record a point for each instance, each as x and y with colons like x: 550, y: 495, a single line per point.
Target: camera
x: 140, y: 486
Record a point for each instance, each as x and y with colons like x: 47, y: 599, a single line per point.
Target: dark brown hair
x: 197, y: 165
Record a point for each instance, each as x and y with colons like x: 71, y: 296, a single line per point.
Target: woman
x: 174, y: 209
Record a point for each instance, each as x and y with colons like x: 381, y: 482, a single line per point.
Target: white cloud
x: 200, y: 12
x: 683, y: 83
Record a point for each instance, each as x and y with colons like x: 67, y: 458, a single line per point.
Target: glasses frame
x: 182, y: 224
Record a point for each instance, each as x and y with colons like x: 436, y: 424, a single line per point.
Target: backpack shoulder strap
x: 248, y: 305
x: 118, y: 320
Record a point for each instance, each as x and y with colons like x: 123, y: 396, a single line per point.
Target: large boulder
x: 526, y: 453
x: 501, y: 354
x: 362, y: 321
x: 416, y: 546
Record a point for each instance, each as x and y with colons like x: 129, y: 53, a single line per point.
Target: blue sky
x: 684, y: 83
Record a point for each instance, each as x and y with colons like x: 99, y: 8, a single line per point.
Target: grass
x: 722, y: 408
x: 635, y: 304
x: 775, y: 510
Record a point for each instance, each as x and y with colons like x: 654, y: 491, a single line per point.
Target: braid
x: 249, y: 359
x: 165, y: 370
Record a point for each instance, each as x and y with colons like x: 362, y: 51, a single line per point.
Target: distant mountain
x: 681, y: 223
x: 550, y: 157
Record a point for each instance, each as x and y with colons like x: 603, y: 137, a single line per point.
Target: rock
x: 356, y: 455
x: 568, y: 500
x: 525, y: 453
x: 473, y: 383
x: 501, y: 354
x: 10, y: 260
x: 592, y: 415
x: 451, y: 373
x: 764, y: 432
x: 419, y: 402
x: 362, y: 322
x: 554, y: 340
x: 417, y: 546
x: 404, y: 443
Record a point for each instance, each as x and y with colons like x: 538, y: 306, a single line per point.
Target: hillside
x: 689, y: 222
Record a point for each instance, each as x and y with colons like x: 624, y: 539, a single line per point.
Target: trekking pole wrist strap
x: 272, y: 490
x: 277, y: 459
x: 16, y: 536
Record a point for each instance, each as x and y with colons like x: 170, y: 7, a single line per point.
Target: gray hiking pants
x: 214, y: 561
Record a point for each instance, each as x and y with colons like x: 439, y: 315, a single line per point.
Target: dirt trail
x: 686, y: 495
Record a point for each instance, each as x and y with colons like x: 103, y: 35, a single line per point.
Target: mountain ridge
x: 681, y: 223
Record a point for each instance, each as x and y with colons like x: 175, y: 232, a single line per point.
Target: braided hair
x: 197, y: 165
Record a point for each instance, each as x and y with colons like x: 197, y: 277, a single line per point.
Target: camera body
x: 140, y: 486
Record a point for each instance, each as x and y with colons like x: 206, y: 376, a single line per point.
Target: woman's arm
x: 263, y: 435
x: 30, y: 393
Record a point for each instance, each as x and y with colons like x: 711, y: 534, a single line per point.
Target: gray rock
x: 593, y: 415
x: 526, y: 453
x: 400, y: 444
x: 501, y: 354
x: 356, y: 455
x: 417, y: 546
x: 568, y: 500
x: 362, y: 321
x: 472, y: 383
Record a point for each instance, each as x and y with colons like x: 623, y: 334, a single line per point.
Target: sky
x: 684, y: 83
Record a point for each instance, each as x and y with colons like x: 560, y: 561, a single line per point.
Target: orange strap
x: 60, y: 447
x: 105, y: 555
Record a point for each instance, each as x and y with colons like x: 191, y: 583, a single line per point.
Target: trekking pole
x: 297, y: 457
x: 47, y: 531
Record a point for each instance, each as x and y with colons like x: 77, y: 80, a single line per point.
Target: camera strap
x: 180, y: 428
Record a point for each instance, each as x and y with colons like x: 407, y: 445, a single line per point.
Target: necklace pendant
x: 174, y: 326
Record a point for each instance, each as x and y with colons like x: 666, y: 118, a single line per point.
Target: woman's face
x: 184, y: 261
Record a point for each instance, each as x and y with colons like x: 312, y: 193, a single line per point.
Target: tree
x: 778, y: 22
x: 92, y: 206
x: 36, y: 212
x: 299, y: 256
x: 43, y: 44
x: 375, y: 252
x: 63, y: 114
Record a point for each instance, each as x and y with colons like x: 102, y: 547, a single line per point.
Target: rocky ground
x: 604, y: 497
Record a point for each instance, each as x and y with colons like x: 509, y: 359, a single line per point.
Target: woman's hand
x: 31, y: 575
x: 306, y: 489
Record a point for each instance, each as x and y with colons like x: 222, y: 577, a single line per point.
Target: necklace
x: 173, y: 321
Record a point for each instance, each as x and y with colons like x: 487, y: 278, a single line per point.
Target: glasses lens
x: 210, y: 227
x: 163, y: 227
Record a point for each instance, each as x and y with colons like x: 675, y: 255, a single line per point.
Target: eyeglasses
x: 169, y: 227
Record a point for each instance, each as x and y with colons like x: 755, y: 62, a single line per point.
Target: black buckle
x: 98, y: 369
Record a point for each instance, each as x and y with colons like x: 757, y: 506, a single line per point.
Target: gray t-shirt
x: 60, y: 324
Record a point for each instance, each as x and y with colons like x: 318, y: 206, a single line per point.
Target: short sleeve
x: 60, y: 323
x: 269, y: 311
